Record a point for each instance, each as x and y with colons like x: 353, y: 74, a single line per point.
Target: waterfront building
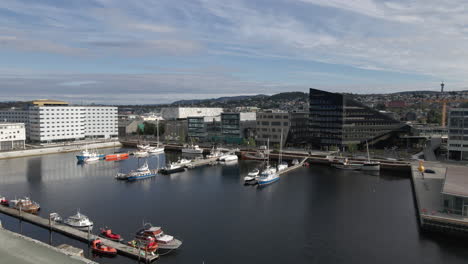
x: 202, y: 128
x: 458, y: 134
x: 455, y: 190
x: 173, y: 113
x: 235, y: 127
x: 175, y: 130
x: 12, y: 136
x: 128, y: 127
x: 299, y: 129
x: 270, y: 123
x: 52, y: 121
x: 338, y: 120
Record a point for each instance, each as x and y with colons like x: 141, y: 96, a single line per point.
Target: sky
x: 160, y: 51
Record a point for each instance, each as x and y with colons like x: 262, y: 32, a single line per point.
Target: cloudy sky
x: 158, y: 51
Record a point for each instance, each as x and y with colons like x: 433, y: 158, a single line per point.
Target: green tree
x: 251, y: 142
x: 351, y: 148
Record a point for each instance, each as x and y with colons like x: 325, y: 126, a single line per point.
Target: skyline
x: 153, y: 52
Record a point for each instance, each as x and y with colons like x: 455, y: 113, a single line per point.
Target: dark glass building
x: 338, y: 120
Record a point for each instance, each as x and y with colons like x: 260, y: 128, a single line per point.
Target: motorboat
x: 140, y: 153
x: 25, y: 205
x: 214, y: 153
x: 370, y: 165
x: 268, y: 176
x: 55, y: 217
x: 295, y: 162
x: 164, y: 241
x: 87, y: 154
x: 173, y: 168
x: 155, y: 150
x: 107, y: 233
x: 4, y: 201
x: 228, y: 157
x: 143, y: 147
x: 79, y: 221
x: 346, y: 165
x: 184, y: 161
x: 142, y: 172
x: 251, y: 175
x: 282, y: 166
x: 192, y: 149
x: 100, y: 248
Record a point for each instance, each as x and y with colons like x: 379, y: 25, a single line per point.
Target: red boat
x: 99, y: 247
x: 116, y: 156
x: 107, y: 233
x: 4, y: 201
x: 150, y: 242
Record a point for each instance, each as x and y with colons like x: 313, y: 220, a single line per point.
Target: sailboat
x: 269, y: 174
x: 157, y: 149
x: 281, y: 165
x: 370, y: 165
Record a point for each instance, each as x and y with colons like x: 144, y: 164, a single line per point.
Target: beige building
x: 270, y: 123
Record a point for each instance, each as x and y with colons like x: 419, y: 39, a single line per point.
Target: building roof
x: 43, y: 102
x: 456, y: 181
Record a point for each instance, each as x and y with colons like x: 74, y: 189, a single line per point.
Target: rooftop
x: 43, y: 102
x: 456, y: 181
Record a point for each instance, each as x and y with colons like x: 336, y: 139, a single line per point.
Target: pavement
x: 18, y: 249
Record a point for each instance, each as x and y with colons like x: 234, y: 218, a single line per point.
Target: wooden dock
x: 122, y: 249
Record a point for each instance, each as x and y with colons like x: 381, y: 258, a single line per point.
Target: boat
x: 259, y: 155
x: 79, y: 221
x: 228, y: 157
x: 140, y: 153
x: 346, y: 165
x: 86, y: 154
x: 146, y: 244
x: 116, y: 156
x: 269, y: 174
x: 143, y: 147
x: 251, y: 175
x: 100, y: 248
x: 295, y: 162
x: 55, y: 217
x: 184, y: 161
x: 155, y: 150
x: 164, y: 241
x: 370, y: 165
x: 91, y: 159
x: 214, y: 153
x: 4, y: 201
x: 192, y: 149
x: 107, y: 233
x: 173, y: 168
x: 281, y: 165
x: 25, y: 205
x: 142, y: 172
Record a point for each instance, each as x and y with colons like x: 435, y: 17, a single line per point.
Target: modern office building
x: 299, y: 129
x: 52, y: 121
x: 235, y: 127
x: 12, y: 136
x: 338, y: 120
x: 174, y: 113
x: 270, y: 124
x: 454, y: 190
x: 457, y: 145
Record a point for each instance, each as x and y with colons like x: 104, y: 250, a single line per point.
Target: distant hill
x: 220, y: 99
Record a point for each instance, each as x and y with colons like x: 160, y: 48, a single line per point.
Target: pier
x: 293, y: 167
x: 86, y: 237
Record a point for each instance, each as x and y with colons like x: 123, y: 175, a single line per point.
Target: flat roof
x: 456, y: 181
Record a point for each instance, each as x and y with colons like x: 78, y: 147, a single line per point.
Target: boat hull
x: 248, y: 156
x: 371, y: 167
x: 173, y: 244
x: 82, y: 228
x: 266, y: 182
x: 83, y: 158
x: 192, y: 151
x: 169, y: 171
x: 348, y: 167
x: 135, y: 178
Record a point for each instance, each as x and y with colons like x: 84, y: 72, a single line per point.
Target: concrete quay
x: 429, y: 199
x: 57, y: 149
x: 19, y: 249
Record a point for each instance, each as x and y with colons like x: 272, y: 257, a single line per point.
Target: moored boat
x: 142, y: 172
x: 100, y: 248
x: 87, y: 154
x: 346, y: 165
x: 79, y: 221
x: 370, y: 165
x: 268, y: 176
x: 173, y: 167
x: 251, y: 175
x: 164, y: 241
x: 155, y: 150
x: 25, y: 205
x: 116, y: 156
x: 107, y: 233
x: 228, y: 157
x: 140, y: 153
x: 192, y: 149
x: 147, y: 244
x: 4, y: 201
x: 91, y: 159
x: 214, y: 153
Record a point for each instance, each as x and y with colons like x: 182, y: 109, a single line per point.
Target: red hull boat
x: 4, y: 201
x: 107, y: 233
x: 100, y: 248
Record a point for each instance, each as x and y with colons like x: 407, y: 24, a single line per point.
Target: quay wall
x: 54, y: 150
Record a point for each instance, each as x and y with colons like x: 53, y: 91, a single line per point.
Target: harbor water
x: 312, y: 215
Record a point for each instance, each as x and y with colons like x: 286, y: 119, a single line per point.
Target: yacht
x: 140, y: 153
x: 281, y: 165
x: 143, y: 147
x: 370, y: 165
x: 142, y: 172
x: 228, y: 157
x: 25, y: 205
x: 164, y: 241
x: 346, y: 165
x: 269, y: 174
x: 79, y: 221
x: 155, y: 150
x: 173, y: 168
x: 192, y: 149
x: 251, y: 175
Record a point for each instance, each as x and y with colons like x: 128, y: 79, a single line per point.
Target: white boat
x: 192, y: 149
x: 91, y: 159
x: 173, y: 168
x: 228, y: 157
x: 87, y: 154
x: 155, y: 150
x: 269, y: 174
x: 346, y: 165
x: 281, y: 165
x: 140, y: 153
x: 370, y: 165
x: 252, y: 175
x: 143, y: 147
x: 214, y: 153
x: 79, y: 221
x: 184, y: 161
x: 165, y: 241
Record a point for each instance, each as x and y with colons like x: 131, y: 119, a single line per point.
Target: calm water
x: 312, y: 215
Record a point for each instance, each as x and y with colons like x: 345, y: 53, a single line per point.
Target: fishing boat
x: 173, y: 168
x: 164, y: 241
x: 79, y: 221
x: 25, y: 205
x: 269, y: 174
x: 4, y: 201
x: 142, y: 172
x: 228, y: 157
x: 251, y: 175
x: 87, y: 154
x: 100, y: 248
x: 370, y: 165
x: 107, y: 233
x: 346, y: 165
x: 192, y: 149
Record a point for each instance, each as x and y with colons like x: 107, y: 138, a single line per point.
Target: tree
x: 251, y: 142
x: 351, y: 148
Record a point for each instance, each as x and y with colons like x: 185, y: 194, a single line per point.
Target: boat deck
x: 122, y: 249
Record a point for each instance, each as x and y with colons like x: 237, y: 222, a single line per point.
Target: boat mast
x: 268, y: 152
x: 281, y: 148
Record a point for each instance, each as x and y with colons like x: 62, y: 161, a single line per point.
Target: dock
x: 201, y: 162
x: 86, y: 237
x: 300, y: 164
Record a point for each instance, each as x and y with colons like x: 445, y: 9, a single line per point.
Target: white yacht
x: 370, y: 165
x: 269, y: 174
x: 192, y: 149
x: 143, y: 147
x: 251, y: 175
x: 281, y: 165
x: 79, y: 221
x: 155, y: 150
x: 228, y: 157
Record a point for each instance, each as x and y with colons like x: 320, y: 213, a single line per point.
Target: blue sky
x: 159, y: 51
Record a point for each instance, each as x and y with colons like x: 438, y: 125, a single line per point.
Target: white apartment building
x: 457, y: 144
x: 173, y: 113
x: 12, y: 136
x: 65, y: 123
